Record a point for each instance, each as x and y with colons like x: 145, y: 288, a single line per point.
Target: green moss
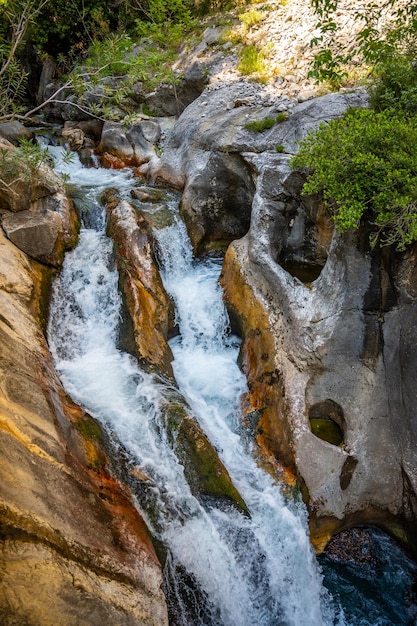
x: 203, y: 469
x: 266, y: 123
x: 90, y: 428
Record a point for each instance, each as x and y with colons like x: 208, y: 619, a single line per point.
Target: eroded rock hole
x: 327, y: 421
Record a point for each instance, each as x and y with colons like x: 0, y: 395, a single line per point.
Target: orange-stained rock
x: 74, y: 550
x: 264, y: 404
x: 114, y: 162
x: 146, y: 299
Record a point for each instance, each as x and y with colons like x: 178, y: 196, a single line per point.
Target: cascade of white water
x: 246, y: 571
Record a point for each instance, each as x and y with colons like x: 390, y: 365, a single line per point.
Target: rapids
x: 222, y: 568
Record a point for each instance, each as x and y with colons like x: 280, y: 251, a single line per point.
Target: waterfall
x: 222, y: 568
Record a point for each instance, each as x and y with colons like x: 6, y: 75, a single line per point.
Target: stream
x: 222, y: 568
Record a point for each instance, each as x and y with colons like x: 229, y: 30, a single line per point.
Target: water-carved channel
x: 222, y: 567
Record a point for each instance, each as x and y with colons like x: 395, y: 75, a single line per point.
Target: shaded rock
x: 205, y: 473
x: 48, y: 73
x: 14, y: 131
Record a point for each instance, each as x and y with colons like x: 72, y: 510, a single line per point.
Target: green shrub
x: 279, y: 148
x: 395, y: 84
x: 365, y: 165
x: 252, y: 61
x: 258, y: 126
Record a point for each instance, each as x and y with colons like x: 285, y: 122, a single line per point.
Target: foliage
x: 15, y: 18
x: 112, y: 67
x: 365, y: 165
x: 259, y: 126
x: 252, y: 61
x: 68, y: 27
x: 371, y: 47
x: 252, y: 17
x: 210, y: 6
x: 395, y: 84
x: 279, y: 148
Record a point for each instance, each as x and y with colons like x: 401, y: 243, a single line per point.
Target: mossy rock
x: 157, y: 216
x: 205, y: 473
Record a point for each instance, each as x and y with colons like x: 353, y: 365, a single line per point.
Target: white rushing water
x: 223, y: 568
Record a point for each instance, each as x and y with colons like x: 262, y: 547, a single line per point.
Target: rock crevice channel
x: 328, y: 348
x: 327, y: 323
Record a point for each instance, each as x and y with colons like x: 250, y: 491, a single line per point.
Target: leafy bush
x: 365, y: 165
x: 371, y: 48
x: 395, y: 84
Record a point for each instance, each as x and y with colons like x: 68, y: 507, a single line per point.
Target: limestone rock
x: 334, y: 347
x: 72, y: 545
x: 213, y: 153
x: 130, y: 146
x: 146, y: 299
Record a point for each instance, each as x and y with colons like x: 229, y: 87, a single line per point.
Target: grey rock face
x: 339, y: 316
x: 214, y: 156
x: 130, y: 146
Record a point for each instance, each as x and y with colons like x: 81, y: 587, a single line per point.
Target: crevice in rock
x: 346, y: 474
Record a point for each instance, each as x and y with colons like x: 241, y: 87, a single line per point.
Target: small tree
x: 371, y: 46
x: 16, y: 16
x: 365, y: 166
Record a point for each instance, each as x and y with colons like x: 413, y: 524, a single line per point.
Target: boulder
x: 130, y: 146
x: 146, y: 300
x: 14, y: 131
x: 36, y: 214
x: 36, y: 234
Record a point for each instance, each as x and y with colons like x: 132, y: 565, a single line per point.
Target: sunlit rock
x: 212, y: 148
x: 72, y: 544
x: 145, y: 297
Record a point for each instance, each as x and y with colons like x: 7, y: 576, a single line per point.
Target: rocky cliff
x: 326, y: 322
x: 74, y: 550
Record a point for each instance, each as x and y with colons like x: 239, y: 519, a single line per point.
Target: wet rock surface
x: 72, y: 543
